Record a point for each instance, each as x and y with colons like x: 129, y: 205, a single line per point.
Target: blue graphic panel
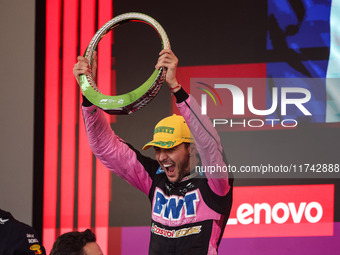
x: 298, y: 37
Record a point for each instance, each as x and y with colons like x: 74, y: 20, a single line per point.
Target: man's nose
x: 163, y: 155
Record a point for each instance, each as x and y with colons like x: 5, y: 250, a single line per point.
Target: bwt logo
x: 173, y: 206
x: 239, y: 99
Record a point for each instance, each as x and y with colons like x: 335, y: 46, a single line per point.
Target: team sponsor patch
x: 163, y: 129
x: 175, y: 233
x: 3, y: 221
x: 173, y: 207
x: 33, y: 240
x: 160, y: 170
x: 35, y: 247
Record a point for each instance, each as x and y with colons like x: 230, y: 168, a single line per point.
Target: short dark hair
x: 72, y: 243
x: 186, y: 144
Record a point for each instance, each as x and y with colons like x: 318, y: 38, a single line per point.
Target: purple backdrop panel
x: 317, y: 245
x: 135, y: 240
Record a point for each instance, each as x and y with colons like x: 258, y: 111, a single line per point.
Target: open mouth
x: 170, y: 169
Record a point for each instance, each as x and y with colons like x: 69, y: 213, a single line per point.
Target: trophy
x: 137, y: 98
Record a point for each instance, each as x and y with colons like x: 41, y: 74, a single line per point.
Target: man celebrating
x: 189, y: 211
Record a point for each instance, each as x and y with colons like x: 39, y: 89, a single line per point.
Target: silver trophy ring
x: 137, y: 98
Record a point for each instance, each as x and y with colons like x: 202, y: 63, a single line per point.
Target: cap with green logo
x: 170, y: 132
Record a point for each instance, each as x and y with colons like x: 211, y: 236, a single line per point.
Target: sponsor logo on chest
x: 174, y: 207
x: 175, y: 233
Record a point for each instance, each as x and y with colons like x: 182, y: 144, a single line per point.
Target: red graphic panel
x: 68, y: 115
x: 71, y: 178
x: 278, y: 211
x: 52, y: 92
x: 87, y: 30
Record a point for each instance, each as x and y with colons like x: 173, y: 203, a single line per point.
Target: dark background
x: 214, y: 33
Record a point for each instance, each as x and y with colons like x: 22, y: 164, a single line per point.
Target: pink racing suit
x: 188, y: 217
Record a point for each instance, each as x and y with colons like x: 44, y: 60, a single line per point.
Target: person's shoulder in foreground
x: 76, y: 243
x: 17, y: 237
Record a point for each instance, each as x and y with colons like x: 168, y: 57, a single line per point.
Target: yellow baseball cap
x: 170, y: 132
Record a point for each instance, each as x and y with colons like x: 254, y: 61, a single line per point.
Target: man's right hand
x: 169, y: 61
x: 83, y: 66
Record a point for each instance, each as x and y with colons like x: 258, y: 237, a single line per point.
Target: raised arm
x: 118, y: 156
x: 207, y: 141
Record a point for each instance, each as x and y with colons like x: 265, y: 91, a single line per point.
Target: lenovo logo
x: 272, y: 211
x: 280, y: 213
